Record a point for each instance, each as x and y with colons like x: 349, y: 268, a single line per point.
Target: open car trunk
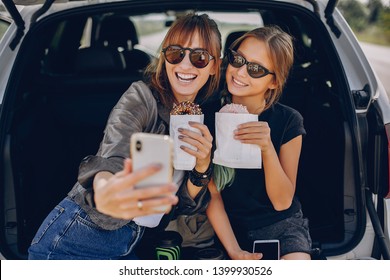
x: 58, y: 101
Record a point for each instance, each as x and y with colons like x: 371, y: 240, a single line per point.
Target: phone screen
x: 269, y: 249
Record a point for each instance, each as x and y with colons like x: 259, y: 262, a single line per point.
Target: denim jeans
x: 68, y: 233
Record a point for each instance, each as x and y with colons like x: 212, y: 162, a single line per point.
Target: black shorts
x: 293, y: 234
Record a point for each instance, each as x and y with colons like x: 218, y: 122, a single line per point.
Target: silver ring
x: 140, y: 204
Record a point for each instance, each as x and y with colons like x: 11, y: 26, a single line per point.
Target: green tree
x: 355, y: 13
x: 384, y: 23
x: 375, y: 7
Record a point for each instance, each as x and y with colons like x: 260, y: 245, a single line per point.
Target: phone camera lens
x: 138, y: 145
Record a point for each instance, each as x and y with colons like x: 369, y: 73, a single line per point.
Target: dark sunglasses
x: 175, y: 54
x: 254, y: 70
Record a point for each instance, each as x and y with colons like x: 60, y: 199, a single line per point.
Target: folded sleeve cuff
x: 188, y: 205
x: 91, y: 165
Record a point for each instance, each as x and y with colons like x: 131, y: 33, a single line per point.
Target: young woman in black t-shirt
x: 254, y: 204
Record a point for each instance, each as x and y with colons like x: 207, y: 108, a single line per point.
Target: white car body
x: 357, y: 243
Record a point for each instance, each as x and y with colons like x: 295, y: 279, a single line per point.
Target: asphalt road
x: 379, y: 58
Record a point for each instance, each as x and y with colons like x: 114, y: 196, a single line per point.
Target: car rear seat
x: 119, y: 33
x: 310, y: 90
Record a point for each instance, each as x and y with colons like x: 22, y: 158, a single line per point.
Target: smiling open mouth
x: 186, y: 78
x: 238, y: 82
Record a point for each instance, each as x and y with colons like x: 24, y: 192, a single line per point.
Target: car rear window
x: 3, y: 27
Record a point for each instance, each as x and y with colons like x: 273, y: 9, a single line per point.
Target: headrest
x: 232, y: 37
x: 116, y: 31
x: 99, y: 60
x: 136, y: 60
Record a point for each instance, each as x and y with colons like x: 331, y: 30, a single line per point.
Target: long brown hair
x: 179, y: 33
x: 281, y: 49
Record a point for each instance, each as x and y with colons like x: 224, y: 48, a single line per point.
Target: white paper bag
x: 181, y: 159
x: 229, y: 151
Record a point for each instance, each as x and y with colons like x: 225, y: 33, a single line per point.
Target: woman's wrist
x: 101, y: 179
x: 202, y: 167
x: 268, y: 151
x: 234, y: 253
x: 201, y: 179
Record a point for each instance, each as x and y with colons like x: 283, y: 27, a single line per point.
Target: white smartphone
x: 269, y: 248
x: 148, y: 148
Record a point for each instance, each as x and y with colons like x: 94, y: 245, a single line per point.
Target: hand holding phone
x: 269, y: 248
x: 147, y: 149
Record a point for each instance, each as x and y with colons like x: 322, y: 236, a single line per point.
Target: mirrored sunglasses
x: 255, y: 70
x: 199, y: 57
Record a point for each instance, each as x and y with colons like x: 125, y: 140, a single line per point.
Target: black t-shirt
x: 246, y: 201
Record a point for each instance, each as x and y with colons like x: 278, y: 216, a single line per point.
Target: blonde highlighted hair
x: 281, y: 49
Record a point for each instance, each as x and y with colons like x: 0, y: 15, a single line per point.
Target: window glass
x: 151, y: 28
x: 3, y: 27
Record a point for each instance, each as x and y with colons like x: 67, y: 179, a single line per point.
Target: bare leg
x: 296, y: 256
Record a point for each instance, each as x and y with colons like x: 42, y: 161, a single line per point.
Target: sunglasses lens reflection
x: 175, y: 54
x: 236, y: 60
x: 199, y: 58
x: 254, y: 70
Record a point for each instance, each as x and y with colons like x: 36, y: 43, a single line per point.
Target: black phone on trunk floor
x: 269, y: 248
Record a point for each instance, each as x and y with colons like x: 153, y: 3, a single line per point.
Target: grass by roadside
x: 373, y: 35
